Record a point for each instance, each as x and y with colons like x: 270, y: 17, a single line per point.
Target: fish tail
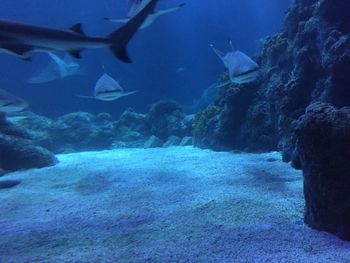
x: 120, y: 38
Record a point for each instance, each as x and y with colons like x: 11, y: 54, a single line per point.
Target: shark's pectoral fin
x: 170, y: 10
x: 128, y: 93
x: 19, y: 50
x: 85, y: 97
x: 223, y: 84
x: 117, y: 20
x: 75, y: 53
x: 77, y: 28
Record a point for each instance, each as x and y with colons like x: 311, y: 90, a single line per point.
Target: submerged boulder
x: 17, y: 149
x: 323, y: 143
x: 172, y: 141
x: 136, y: 122
x: 17, y: 154
x: 186, y: 141
x: 153, y: 142
x: 166, y: 118
x: 81, y: 131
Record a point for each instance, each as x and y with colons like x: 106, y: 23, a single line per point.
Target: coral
x: 201, y: 118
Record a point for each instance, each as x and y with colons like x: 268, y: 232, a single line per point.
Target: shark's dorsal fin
x: 77, y: 28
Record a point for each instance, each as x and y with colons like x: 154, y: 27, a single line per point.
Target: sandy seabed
x: 178, y: 204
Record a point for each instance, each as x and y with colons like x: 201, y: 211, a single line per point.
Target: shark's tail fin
x: 120, y: 38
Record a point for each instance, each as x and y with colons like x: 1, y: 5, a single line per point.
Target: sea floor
x: 178, y: 204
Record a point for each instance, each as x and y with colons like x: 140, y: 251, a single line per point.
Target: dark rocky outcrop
x: 18, y: 151
x: 323, y: 146
x: 153, y: 142
x: 172, y: 141
x: 82, y: 131
x: 166, y: 118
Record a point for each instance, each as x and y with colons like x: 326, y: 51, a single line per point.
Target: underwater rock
x: 323, y: 143
x: 134, y: 121
x: 166, y: 118
x: 153, y: 142
x: 186, y: 141
x: 9, y: 128
x: 84, y: 131
x: 128, y: 135
x: 17, y: 154
x: 219, y: 126
x: 125, y: 144
x: 4, y: 184
x: 172, y: 141
x: 39, y: 128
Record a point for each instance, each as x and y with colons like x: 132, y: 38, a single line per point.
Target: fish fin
x: 169, y: 10
x: 217, y: 52
x: 85, y: 97
x: 128, y: 93
x: 75, y: 53
x: 60, y: 63
x: 117, y: 20
x: 20, y: 50
x: 120, y: 38
x: 77, y: 28
x: 223, y: 84
x: 231, y: 45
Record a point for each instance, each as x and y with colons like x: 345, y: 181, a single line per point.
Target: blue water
x: 172, y: 58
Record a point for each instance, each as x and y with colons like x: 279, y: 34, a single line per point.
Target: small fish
x: 135, y: 6
x: 108, y: 89
x: 58, y: 69
x: 241, y: 68
x: 22, y: 39
x: 10, y: 103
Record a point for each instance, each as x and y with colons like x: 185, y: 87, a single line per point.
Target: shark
x: 241, y: 68
x: 108, y: 89
x: 10, y: 103
x: 135, y: 6
x: 59, y: 68
x: 22, y: 40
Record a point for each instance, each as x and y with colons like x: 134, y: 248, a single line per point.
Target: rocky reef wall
x: 307, y: 61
